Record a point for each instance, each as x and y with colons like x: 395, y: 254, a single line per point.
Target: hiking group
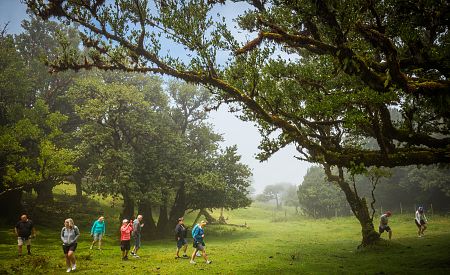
x: 129, y: 229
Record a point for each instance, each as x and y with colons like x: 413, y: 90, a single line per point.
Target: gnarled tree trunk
x: 145, y: 209
x: 162, y: 228
x: 358, y: 206
x: 179, y: 206
x: 128, y: 207
x: 77, y: 180
x: 208, y: 217
x: 44, y: 192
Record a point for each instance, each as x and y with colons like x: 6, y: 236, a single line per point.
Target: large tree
x: 321, y: 74
x: 31, y: 152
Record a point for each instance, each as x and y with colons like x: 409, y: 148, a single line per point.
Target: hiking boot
x: 192, y: 262
x: 68, y: 269
x: 136, y: 255
x: 74, y: 266
x: 185, y: 256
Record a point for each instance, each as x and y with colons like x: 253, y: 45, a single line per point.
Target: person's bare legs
x: 204, y: 255
x: 424, y: 227
x: 193, y: 255
x: 19, y: 248
x: 71, y: 257
x: 67, y: 260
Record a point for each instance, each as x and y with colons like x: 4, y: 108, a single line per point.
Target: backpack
x: 194, y: 231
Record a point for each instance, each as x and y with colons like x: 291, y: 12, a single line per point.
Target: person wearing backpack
x: 199, y: 244
x: 180, y: 237
x: 69, y: 237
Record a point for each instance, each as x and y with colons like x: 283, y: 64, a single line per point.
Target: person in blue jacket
x: 198, y: 234
x: 98, y: 230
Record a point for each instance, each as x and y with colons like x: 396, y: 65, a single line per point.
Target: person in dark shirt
x: 180, y: 235
x: 24, y: 230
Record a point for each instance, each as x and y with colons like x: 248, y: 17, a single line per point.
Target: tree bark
x: 11, y: 206
x: 77, y: 180
x: 179, y: 206
x: 44, y: 192
x: 358, y: 206
x: 128, y: 207
x: 163, y: 225
x: 145, y: 209
x: 208, y: 216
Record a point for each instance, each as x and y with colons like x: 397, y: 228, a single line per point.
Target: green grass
x: 273, y: 243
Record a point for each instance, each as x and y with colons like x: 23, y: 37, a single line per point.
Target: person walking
x: 69, y: 237
x: 98, y: 230
x: 137, y: 227
x: 24, y: 231
x: 198, y: 234
x: 180, y: 235
x: 421, y: 221
x: 125, y: 232
x: 384, y: 220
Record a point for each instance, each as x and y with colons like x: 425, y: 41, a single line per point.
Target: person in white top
x: 421, y: 221
x: 384, y: 219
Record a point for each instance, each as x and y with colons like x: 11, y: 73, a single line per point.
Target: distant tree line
x: 399, y: 190
x: 120, y: 134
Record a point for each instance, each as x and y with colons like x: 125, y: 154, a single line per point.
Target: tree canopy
x: 323, y: 75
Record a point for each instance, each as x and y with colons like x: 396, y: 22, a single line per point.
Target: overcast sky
x: 281, y: 167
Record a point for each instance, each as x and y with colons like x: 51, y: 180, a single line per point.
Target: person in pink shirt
x: 125, y: 236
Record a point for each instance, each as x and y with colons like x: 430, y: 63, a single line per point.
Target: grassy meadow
x: 273, y: 243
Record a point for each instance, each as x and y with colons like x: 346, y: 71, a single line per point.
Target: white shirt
x: 420, y: 217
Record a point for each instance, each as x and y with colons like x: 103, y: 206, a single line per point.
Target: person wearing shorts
x: 384, y: 219
x: 125, y: 236
x: 420, y: 221
x: 198, y: 234
x: 24, y: 230
x: 69, y: 237
x: 180, y: 237
x: 137, y: 227
x: 98, y: 230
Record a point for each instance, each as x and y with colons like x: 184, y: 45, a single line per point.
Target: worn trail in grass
x: 271, y: 244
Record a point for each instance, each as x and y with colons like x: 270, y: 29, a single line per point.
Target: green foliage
x: 322, y: 75
x: 30, y: 150
x: 396, y: 188
x: 320, y: 198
